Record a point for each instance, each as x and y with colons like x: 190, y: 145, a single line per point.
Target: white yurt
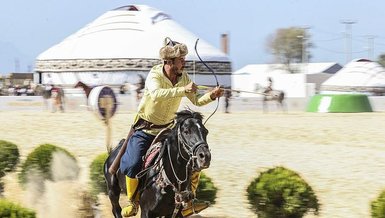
x: 122, y: 44
x: 303, y: 80
x: 360, y: 76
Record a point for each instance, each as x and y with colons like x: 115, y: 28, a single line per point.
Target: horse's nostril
x: 201, y: 155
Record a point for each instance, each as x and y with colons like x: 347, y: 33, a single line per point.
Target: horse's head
x: 79, y: 85
x: 192, y: 136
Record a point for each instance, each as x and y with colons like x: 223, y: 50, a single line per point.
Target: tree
x: 290, y: 45
x: 381, y: 60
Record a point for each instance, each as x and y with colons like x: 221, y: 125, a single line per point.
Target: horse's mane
x: 185, y: 114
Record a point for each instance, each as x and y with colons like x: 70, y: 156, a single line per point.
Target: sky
x: 29, y: 27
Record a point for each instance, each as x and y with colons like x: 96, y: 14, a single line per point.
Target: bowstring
x: 216, y: 79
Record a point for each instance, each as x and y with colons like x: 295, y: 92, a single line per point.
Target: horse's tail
x: 282, y: 96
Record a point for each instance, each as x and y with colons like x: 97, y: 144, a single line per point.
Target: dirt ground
x: 342, y: 156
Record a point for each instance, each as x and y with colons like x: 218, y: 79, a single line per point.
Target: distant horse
x: 87, y: 89
x: 274, y: 95
x: 166, y: 184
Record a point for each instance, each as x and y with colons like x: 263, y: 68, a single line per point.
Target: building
x: 13, y: 79
x: 360, y: 76
x: 305, y: 82
x: 123, y: 43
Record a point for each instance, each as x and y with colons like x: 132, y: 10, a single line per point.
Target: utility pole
x: 370, y: 46
x: 304, y: 53
x: 303, y: 45
x: 304, y: 38
x: 17, y: 65
x: 348, y: 37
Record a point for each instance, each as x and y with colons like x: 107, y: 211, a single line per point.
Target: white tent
x: 304, y: 82
x: 121, y: 43
x: 358, y: 76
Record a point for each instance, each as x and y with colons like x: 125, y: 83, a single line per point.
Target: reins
x: 186, y: 147
x: 179, y: 181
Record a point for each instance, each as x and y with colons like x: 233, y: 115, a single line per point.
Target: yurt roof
x: 309, y: 68
x: 134, y: 31
x: 357, y: 73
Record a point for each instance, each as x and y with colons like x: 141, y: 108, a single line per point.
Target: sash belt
x: 144, y: 124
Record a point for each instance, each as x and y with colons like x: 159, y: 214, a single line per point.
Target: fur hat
x: 172, y: 49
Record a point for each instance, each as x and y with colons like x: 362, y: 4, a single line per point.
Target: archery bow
x: 216, y: 79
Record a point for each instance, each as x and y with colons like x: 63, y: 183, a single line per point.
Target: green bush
x: 98, y: 183
x: 12, y: 210
x: 40, y: 159
x: 9, y: 157
x: 378, y: 206
x: 206, y: 190
x: 281, y: 193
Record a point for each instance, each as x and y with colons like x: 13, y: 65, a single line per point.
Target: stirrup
x: 131, y: 209
x: 194, y: 207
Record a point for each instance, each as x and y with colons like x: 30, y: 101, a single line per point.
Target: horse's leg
x: 264, y: 105
x: 61, y: 100
x: 54, y: 104
x: 145, y: 213
x: 61, y: 106
x: 284, y: 107
x: 178, y: 215
x: 279, y: 105
x: 114, y: 194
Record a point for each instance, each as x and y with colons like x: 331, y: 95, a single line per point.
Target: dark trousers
x: 131, y: 162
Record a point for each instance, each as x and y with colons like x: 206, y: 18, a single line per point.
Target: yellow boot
x: 133, y: 205
x: 194, y: 206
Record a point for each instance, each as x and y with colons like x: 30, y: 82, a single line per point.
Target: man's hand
x: 216, y: 93
x: 191, y: 87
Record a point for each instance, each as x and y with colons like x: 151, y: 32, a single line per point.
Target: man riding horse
x: 269, y: 87
x: 269, y: 94
x: 165, y: 86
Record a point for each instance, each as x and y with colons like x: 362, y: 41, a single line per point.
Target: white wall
x: 128, y: 103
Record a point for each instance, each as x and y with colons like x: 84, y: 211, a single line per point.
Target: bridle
x: 190, y: 150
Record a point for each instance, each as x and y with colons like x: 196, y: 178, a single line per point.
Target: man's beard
x: 176, y: 71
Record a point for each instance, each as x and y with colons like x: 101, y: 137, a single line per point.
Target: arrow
x: 232, y: 90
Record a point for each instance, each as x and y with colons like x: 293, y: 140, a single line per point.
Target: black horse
x: 165, y: 186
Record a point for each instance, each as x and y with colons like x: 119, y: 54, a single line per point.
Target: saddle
x: 155, y: 148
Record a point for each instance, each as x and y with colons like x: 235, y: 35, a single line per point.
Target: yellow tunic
x: 161, y: 99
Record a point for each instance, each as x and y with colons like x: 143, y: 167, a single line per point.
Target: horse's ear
x: 198, y: 116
